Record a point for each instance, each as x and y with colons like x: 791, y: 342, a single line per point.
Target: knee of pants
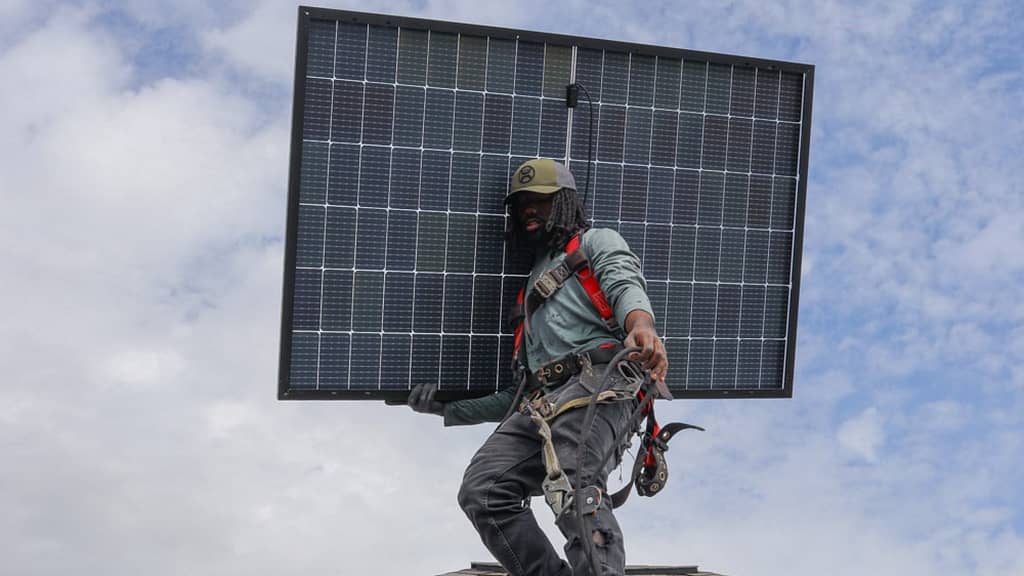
x: 471, y: 499
x: 494, y: 498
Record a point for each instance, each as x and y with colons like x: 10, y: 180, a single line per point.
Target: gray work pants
x: 508, y: 469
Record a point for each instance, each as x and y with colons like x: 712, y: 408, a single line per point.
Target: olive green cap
x: 543, y: 176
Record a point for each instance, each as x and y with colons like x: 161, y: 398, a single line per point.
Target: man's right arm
x: 490, y: 408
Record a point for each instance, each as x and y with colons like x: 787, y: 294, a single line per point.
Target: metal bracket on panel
x: 572, y: 95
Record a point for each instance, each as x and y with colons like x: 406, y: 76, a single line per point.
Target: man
x: 563, y: 333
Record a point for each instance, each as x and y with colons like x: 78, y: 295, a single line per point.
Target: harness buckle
x: 557, y: 493
x: 541, y: 405
x: 544, y: 375
x: 553, y: 372
x: 546, y: 285
x: 588, y: 499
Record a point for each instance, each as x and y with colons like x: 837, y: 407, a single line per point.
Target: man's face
x: 531, y: 212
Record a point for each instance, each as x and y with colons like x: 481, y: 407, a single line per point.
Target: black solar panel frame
x: 306, y: 14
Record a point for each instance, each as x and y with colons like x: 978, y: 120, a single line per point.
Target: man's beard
x: 536, y: 239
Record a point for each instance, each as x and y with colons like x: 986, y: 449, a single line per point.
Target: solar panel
x: 405, y: 133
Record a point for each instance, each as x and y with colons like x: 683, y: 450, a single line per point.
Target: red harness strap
x: 589, y: 282
x: 654, y: 431
x: 518, y: 340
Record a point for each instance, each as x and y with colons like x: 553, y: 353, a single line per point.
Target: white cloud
x: 256, y: 43
x: 943, y: 416
x: 160, y: 13
x: 863, y: 435
x: 993, y: 250
x: 225, y: 418
x: 91, y: 65
x: 142, y: 367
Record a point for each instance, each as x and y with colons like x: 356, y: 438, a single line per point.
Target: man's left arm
x: 617, y: 269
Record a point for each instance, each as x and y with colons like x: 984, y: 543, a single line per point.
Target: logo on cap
x: 526, y: 174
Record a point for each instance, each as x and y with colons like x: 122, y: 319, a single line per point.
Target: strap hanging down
x: 650, y: 470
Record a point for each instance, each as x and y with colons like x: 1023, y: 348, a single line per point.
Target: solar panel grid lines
x: 760, y: 361
x: 767, y: 263
x: 387, y: 222
x: 359, y: 179
x: 647, y: 191
x: 447, y: 238
x: 625, y: 134
x: 746, y: 230
x: 690, y: 340
x: 499, y: 347
x: 672, y: 197
x: 718, y: 267
x: 415, y: 248
x: 322, y: 284
x: 794, y: 250
x: 787, y: 343
x: 400, y: 205
x: 718, y: 294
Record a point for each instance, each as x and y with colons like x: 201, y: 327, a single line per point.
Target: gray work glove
x: 421, y: 399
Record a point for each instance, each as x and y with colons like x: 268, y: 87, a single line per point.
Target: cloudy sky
x: 143, y: 173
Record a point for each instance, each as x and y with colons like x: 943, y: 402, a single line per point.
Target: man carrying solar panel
x: 572, y: 391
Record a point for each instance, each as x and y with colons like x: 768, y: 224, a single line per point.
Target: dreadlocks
x: 567, y: 218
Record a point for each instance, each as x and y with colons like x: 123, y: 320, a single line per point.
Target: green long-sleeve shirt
x: 568, y: 322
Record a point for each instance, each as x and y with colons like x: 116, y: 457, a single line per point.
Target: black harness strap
x: 552, y: 280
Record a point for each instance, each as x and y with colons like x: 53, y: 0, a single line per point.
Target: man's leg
x: 605, y: 534
x: 498, y: 483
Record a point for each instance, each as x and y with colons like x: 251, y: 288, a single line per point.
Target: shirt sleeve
x: 617, y: 270
x: 490, y: 408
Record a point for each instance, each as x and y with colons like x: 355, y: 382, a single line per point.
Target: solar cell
x: 404, y: 137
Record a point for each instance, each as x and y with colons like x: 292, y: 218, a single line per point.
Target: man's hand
x: 641, y: 333
x: 421, y: 399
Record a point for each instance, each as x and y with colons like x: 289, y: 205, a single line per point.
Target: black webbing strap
x: 620, y: 497
x: 552, y: 279
x: 559, y: 370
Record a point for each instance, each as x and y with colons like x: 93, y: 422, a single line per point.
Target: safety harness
x: 575, y: 264
x: 650, y: 470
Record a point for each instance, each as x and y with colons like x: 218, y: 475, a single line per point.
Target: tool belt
x: 556, y: 372
x: 549, y: 404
